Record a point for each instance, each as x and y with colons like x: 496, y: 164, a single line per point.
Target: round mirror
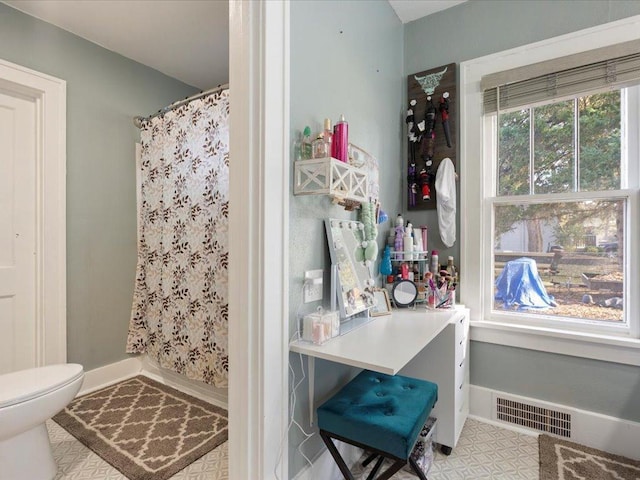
x: 404, y: 293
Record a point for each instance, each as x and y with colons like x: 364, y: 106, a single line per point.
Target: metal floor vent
x: 534, y: 417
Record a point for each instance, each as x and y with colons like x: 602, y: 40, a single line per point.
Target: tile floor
x: 76, y: 462
x: 483, y: 452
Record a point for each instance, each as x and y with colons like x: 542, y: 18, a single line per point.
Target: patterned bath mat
x: 146, y: 430
x: 562, y: 459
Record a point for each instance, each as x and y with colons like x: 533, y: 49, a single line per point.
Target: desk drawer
x: 461, y: 398
x: 461, y: 349
x: 462, y: 328
x: 462, y: 336
x: 461, y: 371
x: 462, y: 410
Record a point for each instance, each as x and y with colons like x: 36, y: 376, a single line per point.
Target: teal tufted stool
x: 379, y: 413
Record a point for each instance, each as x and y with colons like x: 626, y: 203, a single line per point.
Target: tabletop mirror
x: 353, y: 280
x: 404, y: 293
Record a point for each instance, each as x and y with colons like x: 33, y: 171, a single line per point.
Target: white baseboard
x: 595, y: 430
x: 201, y: 390
x: 115, y: 372
x: 109, y: 374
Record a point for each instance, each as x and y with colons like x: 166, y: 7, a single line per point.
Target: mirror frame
x: 354, y: 280
x: 397, y: 287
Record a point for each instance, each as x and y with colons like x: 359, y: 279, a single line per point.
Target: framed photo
x: 381, y: 303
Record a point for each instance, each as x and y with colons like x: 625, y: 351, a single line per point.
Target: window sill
x: 598, y: 347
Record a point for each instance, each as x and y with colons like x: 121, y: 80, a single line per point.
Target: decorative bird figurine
x: 430, y: 82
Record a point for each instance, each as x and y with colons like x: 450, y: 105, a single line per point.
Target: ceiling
x: 409, y: 10
x: 185, y: 39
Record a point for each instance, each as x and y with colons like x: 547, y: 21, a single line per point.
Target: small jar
x: 319, y: 147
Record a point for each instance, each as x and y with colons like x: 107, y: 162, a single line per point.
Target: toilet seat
x: 24, y: 385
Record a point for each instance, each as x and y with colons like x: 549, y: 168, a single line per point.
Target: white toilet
x: 28, y: 398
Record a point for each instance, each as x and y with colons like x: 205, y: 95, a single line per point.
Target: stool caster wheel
x: 446, y: 450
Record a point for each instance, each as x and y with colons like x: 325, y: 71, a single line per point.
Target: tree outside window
x: 555, y: 164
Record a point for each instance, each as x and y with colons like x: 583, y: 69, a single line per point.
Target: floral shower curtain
x: 180, y: 306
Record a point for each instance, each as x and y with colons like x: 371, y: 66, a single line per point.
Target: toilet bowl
x: 28, y: 398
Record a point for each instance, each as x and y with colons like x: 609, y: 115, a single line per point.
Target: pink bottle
x: 424, y: 240
x: 404, y: 269
x: 340, y: 140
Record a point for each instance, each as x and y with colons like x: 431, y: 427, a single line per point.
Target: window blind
x: 605, y: 68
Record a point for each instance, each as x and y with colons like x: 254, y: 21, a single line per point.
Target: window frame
x: 477, y: 165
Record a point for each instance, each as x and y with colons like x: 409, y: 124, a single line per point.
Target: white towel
x: 446, y: 201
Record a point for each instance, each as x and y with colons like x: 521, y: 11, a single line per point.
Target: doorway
x: 32, y: 218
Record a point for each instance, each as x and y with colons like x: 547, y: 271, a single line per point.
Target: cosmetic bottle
x: 391, y: 239
x: 407, y: 246
x: 319, y: 147
x: 398, y: 244
x: 328, y: 135
x: 451, y: 269
x: 417, y: 242
x: 434, y: 266
x: 340, y: 140
x: 425, y: 248
x: 404, y: 269
x: 307, y: 150
x: 297, y: 148
x: 385, y: 263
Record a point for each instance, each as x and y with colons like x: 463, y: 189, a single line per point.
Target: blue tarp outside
x: 520, y: 285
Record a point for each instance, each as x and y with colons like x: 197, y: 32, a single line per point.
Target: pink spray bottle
x: 340, y: 141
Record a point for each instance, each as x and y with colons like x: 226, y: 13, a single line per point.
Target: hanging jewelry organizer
x: 431, y: 131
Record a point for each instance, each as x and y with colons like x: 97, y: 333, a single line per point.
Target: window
x: 558, y: 213
x: 549, y: 194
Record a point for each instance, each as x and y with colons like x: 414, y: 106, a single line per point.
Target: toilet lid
x: 18, y: 387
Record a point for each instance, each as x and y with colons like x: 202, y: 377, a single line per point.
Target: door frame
x: 50, y: 96
x: 259, y: 174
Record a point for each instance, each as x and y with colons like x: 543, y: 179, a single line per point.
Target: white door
x: 18, y: 341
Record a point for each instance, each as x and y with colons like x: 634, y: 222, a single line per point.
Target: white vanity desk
x: 420, y: 343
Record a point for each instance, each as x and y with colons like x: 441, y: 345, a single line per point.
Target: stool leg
x: 373, y: 472
x: 336, y: 456
x: 417, y: 469
x: 389, y: 472
x: 369, y: 459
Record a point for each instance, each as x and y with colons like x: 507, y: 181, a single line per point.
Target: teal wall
x: 346, y: 58
x: 479, y: 28
x: 104, y: 92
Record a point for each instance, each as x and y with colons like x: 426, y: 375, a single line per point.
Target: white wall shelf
x: 328, y: 176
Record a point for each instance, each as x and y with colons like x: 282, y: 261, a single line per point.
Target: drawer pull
x: 461, y: 363
x: 461, y: 385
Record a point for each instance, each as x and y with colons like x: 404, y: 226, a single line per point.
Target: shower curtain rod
x: 137, y: 121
